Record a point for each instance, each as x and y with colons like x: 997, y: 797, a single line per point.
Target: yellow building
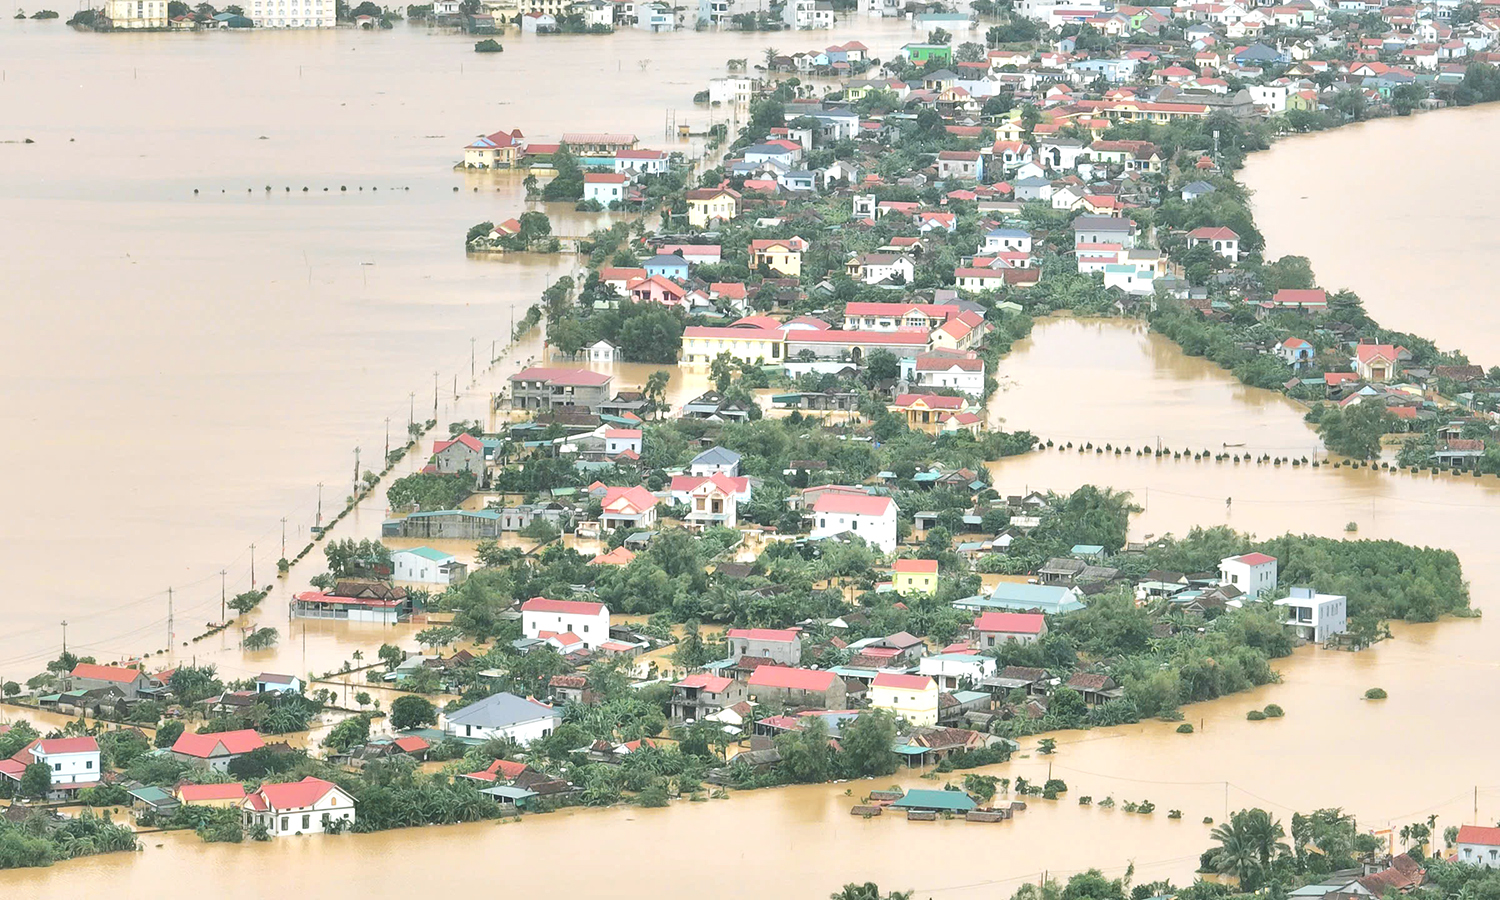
x: 222, y: 796
x: 911, y: 697
x: 709, y: 205
x: 927, y: 412
x: 704, y: 343
x: 136, y: 13
x: 915, y: 576
x: 494, y: 151
x: 784, y: 256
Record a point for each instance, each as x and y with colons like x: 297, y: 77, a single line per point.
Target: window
x: 325, y: 820
x: 89, y: 764
x: 57, y: 767
x: 283, y: 823
x: 306, y: 820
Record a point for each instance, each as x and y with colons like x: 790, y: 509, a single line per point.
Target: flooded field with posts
x: 185, y: 369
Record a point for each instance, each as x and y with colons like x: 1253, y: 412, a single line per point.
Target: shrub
x: 488, y: 45
x: 1375, y: 694
x: 1273, y: 711
x: 1255, y: 715
x: 1185, y: 728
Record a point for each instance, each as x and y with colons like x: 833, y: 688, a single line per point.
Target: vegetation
x: 488, y: 45
x: 1375, y: 694
x: 32, y: 842
x: 429, y: 490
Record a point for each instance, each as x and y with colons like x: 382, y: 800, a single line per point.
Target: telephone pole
x: 411, y: 412
x: 65, y: 650
x: 471, y: 358
x: 224, y: 592
x: 170, y: 636
x: 252, y: 567
x: 320, y: 505
x: 387, y: 458
x: 283, y: 537
x: 434, y: 395
x: 356, y: 471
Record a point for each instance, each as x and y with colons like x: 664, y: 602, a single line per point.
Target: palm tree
x: 1248, y: 843
x: 771, y: 54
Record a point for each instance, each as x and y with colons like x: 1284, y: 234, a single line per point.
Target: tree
x: 349, y: 733
x: 362, y: 698
x: 36, y: 781
x: 410, y: 711
x: 867, y: 745
x: 655, y: 391
x: 1247, y: 845
x: 770, y: 54
x: 261, y: 639
x: 721, y: 372
x: 391, y: 655
x: 1046, y: 746
x: 868, y: 891
x: 168, y: 733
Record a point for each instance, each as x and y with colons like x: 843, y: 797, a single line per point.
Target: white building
x: 309, y: 806
x: 1253, y: 573
x: 536, y: 20
x: 870, y: 517
x: 655, y: 17
x: 290, y: 13
x: 808, y: 14
x: 715, y: 461
x: 427, y: 566
x: 1006, y: 240
x: 137, y: 13
x: 541, y: 618
x: 941, y: 370
x: 503, y: 715
x: 641, y: 162
x: 604, y: 188
x: 272, y: 683
x: 1315, y: 617
x: 73, y: 763
x: 602, y: 351
x: 953, y: 670
x: 734, y: 90
x: 1478, y: 845
x: 619, y: 440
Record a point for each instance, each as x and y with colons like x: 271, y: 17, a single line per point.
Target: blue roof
x: 1087, y: 549
x: 952, y: 801
x: 471, y: 513
x: 1009, y: 595
x: 1007, y: 232
x: 716, y: 456
x: 426, y: 553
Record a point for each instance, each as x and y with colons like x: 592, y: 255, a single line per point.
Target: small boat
x: 1240, y: 444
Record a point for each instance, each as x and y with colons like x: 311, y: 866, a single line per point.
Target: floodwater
x: 184, y: 369
x: 802, y: 841
x: 219, y: 374
x: 1415, y: 248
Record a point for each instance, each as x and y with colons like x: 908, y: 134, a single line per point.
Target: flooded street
x: 1320, y: 196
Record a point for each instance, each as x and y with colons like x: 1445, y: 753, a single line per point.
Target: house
x: 541, y: 617
x: 1478, y: 845
x: 215, y: 751
x: 780, y: 645
x: 1104, y: 230
x: 960, y: 165
x: 871, y: 518
x: 1224, y: 241
x: 230, y: 795
x: 715, y: 461
x: 928, y: 412
x: 427, y: 566
x: 875, y: 268
x: 463, y: 453
x: 633, y: 507
x: 993, y: 629
x: 704, y: 343
x: 503, y: 715
x: 1009, y: 595
x: 622, y: 440
x: 946, y: 370
x: 714, y: 501
x: 544, y: 388
x: 309, y: 806
x: 73, y: 763
x: 709, y: 205
x: 702, y: 695
x: 602, y: 351
x: 1193, y: 190
x: 953, y: 670
x: 911, y: 697
x: 1003, y: 240
x: 915, y: 576
x: 667, y: 265
x: 1294, y: 351
x: 865, y: 316
x: 537, y: 21
x: 778, y: 255
x: 643, y: 162
x: 1378, y: 362
x: 925, y: 800
x: 797, y: 687
x: 1252, y: 573
x: 272, y: 683
x: 131, y: 683
x: 494, y: 151
x: 1308, y: 300
x: 1315, y: 617
x: 604, y: 188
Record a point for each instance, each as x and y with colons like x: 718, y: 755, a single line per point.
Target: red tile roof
x: 560, y: 376
x: 781, y: 635
x: 105, y: 673
x: 1213, y: 233
x: 1010, y: 622
x: 853, y: 505
x: 926, y: 566
x: 629, y: 500
x: 1478, y: 834
x: 902, y: 682
x: 294, y: 795
x: 931, y: 401
x: 714, y: 684
x: 202, y: 746
x: 411, y: 743
x: 1255, y: 559
x: 793, y: 679
x: 66, y: 745
x: 199, y: 793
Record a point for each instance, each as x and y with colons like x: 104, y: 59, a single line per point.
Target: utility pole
x: 170, y: 636
x: 320, y: 505
x: 224, y: 592
x: 434, y: 395
x: 356, y: 471
x: 252, y: 567
x: 387, y: 458
x: 471, y: 358
x: 411, y: 412
x: 283, y: 537
x: 65, y: 650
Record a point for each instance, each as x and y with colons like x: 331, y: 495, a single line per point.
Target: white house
x: 503, y: 715
x: 73, y: 763
x: 1224, y: 241
x: 715, y: 460
x: 215, y: 750
x: 272, y: 683
x: 536, y: 20
x: 309, y: 806
x: 427, y: 566
x: 541, y: 618
x: 645, y: 162
x: 951, y: 670
x: 994, y: 629
x: 1007, y: 240
x: 943, y: 370
x: 602, y: 351
x: 877, y: 267
x: 870, y: 517
x: 1315, y: 617
x: 619, y: 440
x: 1478, y: 845
x: 633, y: 507
x: 910, y: 697
x: 604, y: 187
x: 1253, y: 573
x: 714, y: 502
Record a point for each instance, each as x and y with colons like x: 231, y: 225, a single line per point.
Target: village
x: 812, y: 567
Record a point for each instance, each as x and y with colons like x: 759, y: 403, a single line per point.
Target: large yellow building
x: 915, y: 576
x: 784, y: 256
x: 709, y: 205
x: 911, y: 697
x: 704, y: 343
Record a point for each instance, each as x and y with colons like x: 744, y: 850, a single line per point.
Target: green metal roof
x: 952, y: 801
x: 428, y: 553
